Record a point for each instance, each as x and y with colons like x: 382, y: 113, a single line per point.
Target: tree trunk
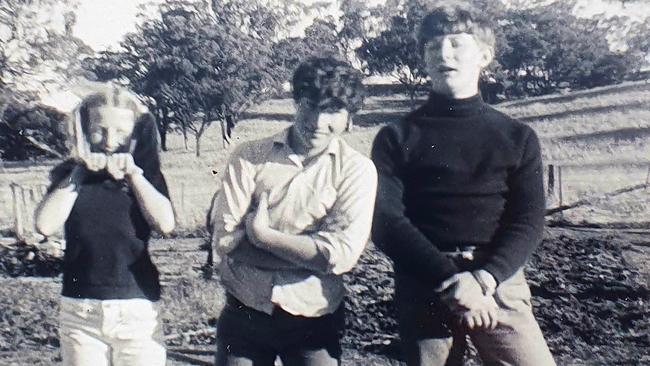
x: 198, y: 145
x: 163, y: 141
x: 185, y: 139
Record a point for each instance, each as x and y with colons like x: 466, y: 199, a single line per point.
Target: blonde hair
x: 144, y: 144
x: 97, y: 95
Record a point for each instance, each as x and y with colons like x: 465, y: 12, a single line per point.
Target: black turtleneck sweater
x: 457, y: 172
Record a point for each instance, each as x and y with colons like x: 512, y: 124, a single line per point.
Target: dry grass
x: 603, y: 125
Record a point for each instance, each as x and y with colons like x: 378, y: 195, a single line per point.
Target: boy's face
x: 313, y: 130
x: 454, y: 63
x: 110, y: 128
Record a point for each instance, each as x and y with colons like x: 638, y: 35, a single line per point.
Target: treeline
x: 199, y: 62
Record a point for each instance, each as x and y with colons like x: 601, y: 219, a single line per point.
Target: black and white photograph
x: 324, y: 182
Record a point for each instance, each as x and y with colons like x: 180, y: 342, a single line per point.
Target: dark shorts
x: 246, y: 336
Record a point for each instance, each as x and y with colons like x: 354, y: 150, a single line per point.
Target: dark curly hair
x: 455, y: 19
x: 329, y: 84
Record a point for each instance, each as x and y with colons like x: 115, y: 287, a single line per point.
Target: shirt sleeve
x: 344, y: 232
x: 231, y: 204
x: 393, y: 231
x: 522, y: 223
x: 59, y: 173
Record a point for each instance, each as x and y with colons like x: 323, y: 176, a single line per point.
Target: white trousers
x: 111, y: 333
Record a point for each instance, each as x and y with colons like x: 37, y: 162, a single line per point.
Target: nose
x: 110, y: 139
x: 446, y: 49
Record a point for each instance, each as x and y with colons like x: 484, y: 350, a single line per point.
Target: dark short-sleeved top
x: 107, y: 239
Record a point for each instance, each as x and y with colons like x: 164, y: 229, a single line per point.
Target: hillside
x: 599, y: 137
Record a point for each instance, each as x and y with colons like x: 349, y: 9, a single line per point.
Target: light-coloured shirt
x: 331, y: 199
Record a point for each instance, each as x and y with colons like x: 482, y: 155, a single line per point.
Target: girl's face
x: 110, y: 128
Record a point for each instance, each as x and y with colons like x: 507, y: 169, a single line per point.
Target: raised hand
x: 484, y: 314
x: 121, y: 165
x: 464, y: 296
x: 460, y: 291
x: 94, y: 161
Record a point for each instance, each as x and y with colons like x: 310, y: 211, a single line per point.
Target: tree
x: 548, y: 47
x: 200, y: 63
x: 394, y: 50
x: 37, y: 52
x: 320, y: 39
x: 37, y: 47
x: 31, y: 131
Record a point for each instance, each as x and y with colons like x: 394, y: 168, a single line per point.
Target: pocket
x: 79, y: 312
x: 514, y: 293
x: 139, y: 319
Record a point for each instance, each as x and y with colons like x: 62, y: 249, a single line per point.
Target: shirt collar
x: 282, y: 139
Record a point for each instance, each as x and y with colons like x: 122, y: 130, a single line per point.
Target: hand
x: 121, y: 165
x: 94, y: 161
x: 257, y: 223
x: 484, y: 314
x: 486, y: 280
x: 461, y: 292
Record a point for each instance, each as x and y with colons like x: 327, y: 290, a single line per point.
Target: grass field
x: 600, y: 137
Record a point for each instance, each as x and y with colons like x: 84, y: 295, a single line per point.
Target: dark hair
x: 455, y: 19
x: 329, y: 84
x: 146, y: 152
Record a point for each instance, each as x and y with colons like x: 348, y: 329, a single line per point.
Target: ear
x: 487, y: 55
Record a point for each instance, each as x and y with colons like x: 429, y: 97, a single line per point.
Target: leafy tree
x: 394, y: 50
x: 200, y: 62
x: 540, y: 47
x: 37, y: 47
x: 320, y: 39
x: 31, y: 131
x: 37, y: 51
x: 548, y: 47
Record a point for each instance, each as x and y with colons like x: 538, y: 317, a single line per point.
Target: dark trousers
x: 247, y: 337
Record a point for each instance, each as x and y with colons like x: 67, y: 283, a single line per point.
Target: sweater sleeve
x: 522, y: 223
x: 392, y: 231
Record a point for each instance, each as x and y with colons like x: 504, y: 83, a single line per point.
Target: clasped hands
x: 465, y: 296
x: 117, y: 165
x: 468, y: 299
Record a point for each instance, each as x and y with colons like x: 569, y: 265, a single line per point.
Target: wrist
x: 263, y: 235
x: 486, y: 280
x: 135, y: 172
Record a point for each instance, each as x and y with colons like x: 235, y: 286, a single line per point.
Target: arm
x: 341, y: 237
x: 392, y: 230
x: 53, y: 211
x: 227, y: 216
x: 522, y: 223
x: 155, y: 206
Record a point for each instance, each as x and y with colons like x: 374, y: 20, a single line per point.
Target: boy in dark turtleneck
x: 460, y: 208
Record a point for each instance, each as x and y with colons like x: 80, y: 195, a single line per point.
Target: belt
x: 465, y: 252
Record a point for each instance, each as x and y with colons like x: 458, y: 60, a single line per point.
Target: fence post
x: 550, y: 191
x: 17, y: 197
x: 559, y: 185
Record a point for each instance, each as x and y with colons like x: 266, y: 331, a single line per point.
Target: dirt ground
x: 590, y: 287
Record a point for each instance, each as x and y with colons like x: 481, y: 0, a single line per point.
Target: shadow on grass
x: 403, y: 104
x: 618, y: 134
x: 587, y: 111
x: 268, y: 116
x: 363, y: 120
x: 578, y: 94
x: 377, y: 118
